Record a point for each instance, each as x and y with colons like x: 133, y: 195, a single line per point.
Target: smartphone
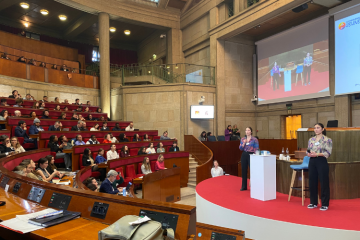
x: 308, y: 151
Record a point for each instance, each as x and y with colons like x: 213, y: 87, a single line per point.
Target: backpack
x: 122, y: 230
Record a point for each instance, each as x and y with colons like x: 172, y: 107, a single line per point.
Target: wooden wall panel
x: 37, y: 73
x: 13, y: 69
x: 88, y: 81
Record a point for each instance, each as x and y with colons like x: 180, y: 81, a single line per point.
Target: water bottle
x: 124, y: 192
x: 287, y: 152
x: 282, y: 151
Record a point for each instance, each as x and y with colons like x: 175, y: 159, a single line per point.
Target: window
x: 230, y: 6
x: 33, y: 36
x: 96, y: 54
x: 252, y: 2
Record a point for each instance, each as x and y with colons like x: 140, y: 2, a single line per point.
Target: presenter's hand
x: 312, y: 154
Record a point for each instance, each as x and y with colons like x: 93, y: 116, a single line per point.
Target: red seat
x: 155, y: 138
x: 26, y: 145
x: 54, y: 117
x: 133, y: 151
x: 139, y: 168
x: 85, y: 139
x: 59, y: 160
x: 130, y: 172
x: 152, y: 165
x: 168, y: 148
x: 93, y: 174
x: 126, y: 180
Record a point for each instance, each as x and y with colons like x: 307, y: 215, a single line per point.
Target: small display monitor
x: 201, y: 111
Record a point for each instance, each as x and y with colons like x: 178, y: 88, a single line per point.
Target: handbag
x: 121, y: 229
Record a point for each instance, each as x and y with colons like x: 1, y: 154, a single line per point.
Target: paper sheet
x: 140, y: 220
x: 20, y: 222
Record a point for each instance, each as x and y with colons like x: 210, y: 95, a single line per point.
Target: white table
x: 263, y: 177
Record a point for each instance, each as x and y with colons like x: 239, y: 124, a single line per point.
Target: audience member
x: 58, y: 149
x: 100, y: 157
x: 88, y: 103
x: 4, y: 102
x: 228, y: 133
x: 54, y: 66
x: 74, y: 117
x: 45, y: 99
x: 130, y: 127
x: 5, y: 56
x: 174, y: 147
x: 86, y: 109
x: 20, y: 131
x: 57, y: 100
x: 142, y: 151
x: 95, y: 127
x: 31, y: 173
x: 104, y: 127
x: 93, y: 140
x: 77, y: 101
x: 22, y: 59
x: 5, y: 146
x: 235, y: 131
x: 56, y: 127
x: 15, y: 145
x: 79, y: 140
x: 64, y: 68
x: 41, y: 170
x: 33, y: 115
x: 107, y: 138
x: 32, y: 62
x: 81, y: 118
x: 101, y: 119
x: 67, y: 145
x: 150, y: 149
x: 209, y: 134
x: 20, y: 169
x: 79, y: 127
x: 145, y: 167
x: 17, y: 113
x: 29, y: 97
x: 15, y: 94
x: 79, y: 109
x: 165, y: 136
x: 124, y: 152
x: 36, y: 105
x: 57, y: 108
x: 66, y: 109
x: 51, y: 166
x: 87, y: 160
x: 122, y: 138
x: 112, y: 154
x: 203, y: 136
x: 4, y: 114
x: 136, y: 138
x: 160, y: 164
x: 92, y: 187
x: 35, y: 128
x: 42, y: 64
x: 160, y: 148
x: 146, y: 138
x: 90, y: 118
x: 119, y: 180
x: 107, y: 184
x: 19, y: 102
x: 62, y: 116
x: 113, y: 139
x: 45, y: 114
x: 66, y: 101
x: 216, y: 171
x: 117, y: 127
x: 42, y: 105
x: 99, y: 110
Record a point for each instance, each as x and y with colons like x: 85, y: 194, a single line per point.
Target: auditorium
x: 179, y: 119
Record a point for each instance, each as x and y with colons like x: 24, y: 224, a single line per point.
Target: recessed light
x: 62, y: 17
x: 112, y: 29
x: 24, y: 5
x: 44, y: 12
x: 127, y: 32
x: 26, y: 24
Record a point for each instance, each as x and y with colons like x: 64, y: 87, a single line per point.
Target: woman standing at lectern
x: 319, y: 149
x: 248, y: 145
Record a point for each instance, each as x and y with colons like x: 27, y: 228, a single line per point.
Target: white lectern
x: 263, y: 177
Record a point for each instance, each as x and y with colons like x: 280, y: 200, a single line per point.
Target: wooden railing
x: 203, y: 156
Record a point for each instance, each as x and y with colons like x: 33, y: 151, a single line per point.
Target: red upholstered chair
x: 100, y: 140
x: 85, y: 139
x: 46, y: 128
x: 139, y: 168
x: 156, y: 138
x: 54, y: 117
x: 59, y: 160
x: 152, y: 165
x: 46, y: 143
x: 94, y: 154
x: 126, y: 180
x: 133, y: 151
x: 25, y: 145
x: 130, y: 172
x: 168, y: 148
x: 93, y: 174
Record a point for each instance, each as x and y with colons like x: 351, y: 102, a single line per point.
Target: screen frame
x: 213, y: 106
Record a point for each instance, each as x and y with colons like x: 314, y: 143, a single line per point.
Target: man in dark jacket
x: 56, y: 127
x: 104, y: 127
x: 117, y: 127
x: 58, y: 149
x: 5, y: 146
x: 79, y: 127
x: 20, y: 131
x: 107, y: 184
x: 36, y: 128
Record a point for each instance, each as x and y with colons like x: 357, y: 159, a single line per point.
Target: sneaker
x: 324, y: 208
x: 311, y: 206
x: 305, y: 84
x: 309, y: 83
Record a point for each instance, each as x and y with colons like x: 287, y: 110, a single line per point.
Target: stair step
x: 193, y: 164
x: 192, y: 185
x: 192, y: 174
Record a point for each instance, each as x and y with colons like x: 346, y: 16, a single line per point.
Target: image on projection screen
x: 347, y: 55
x: 293, y: 75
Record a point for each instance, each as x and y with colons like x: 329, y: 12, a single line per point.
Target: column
x: 104, y: 50
x: 174, y: 50
x: 343, y: 110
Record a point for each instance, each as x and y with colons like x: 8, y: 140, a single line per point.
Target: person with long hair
x: 146, y: 138
x: 235, y: 131
x: 62, y: 116
x: 124, y: 152
x: 216, y: 170
x: 57, y: 108
x: 160, y: 148
x: 4, y: 114
x: 160, y: 164
x: 107, y: 138
x: 66, y: 109
x: 86, y: 109
x: 145, y: 167
x: 100, y: 157
x: 15, y: 145
x: 33, y: 115
x: 319, y: 149
x: 41, y: 169
x: 36, y: 105
x: 150, y: 149
x: 203, y: 136
x: 248, y: 145
x: 228, y: 133
x: 96, y: 127
x: 31, y: 173
x: 51, y: 166
x: 57, y: 100
x: 136, y: 138
x: 142, y: 151
x: 45, y: 114
x: 42, y: 105
x: 87, y: 160
x: 20, y: 169
x: 122, y: 138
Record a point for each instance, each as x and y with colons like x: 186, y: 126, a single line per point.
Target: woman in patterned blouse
x: 319, y: 149
x: 248, y: 145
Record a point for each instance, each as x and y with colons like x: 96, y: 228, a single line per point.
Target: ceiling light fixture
x: 127, y: 32
x: 62, y: 17
x: 26, y: 24
x: 112, y: 29
x: 44, y: 12
x: 24, y: 5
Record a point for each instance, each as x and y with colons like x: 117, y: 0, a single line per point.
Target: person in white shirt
x: 15, y: 145
x: 112, y: 154
x: 113, y: 139
x: 216, y: 171
x: 96, y: 127
x: 150, y: 149
x: 130, y: 127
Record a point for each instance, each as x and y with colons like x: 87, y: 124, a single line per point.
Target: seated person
x: 146, y: 138
x: 165, y: 136
x: 51, y: 166
x: 77, y: 101
x: 79, y: 109
x: 124, y: 152
x: 22, y: 59
x: 136, y: 138
x: 130, y: 127
x: 81, y: 126
x: 117, y: 127
x: 113, y: 139
x: 112, y: 154
x: 33, y: 115
x: 88, y: 103
x: 91, y: 180
x: 203, y: 136
x: 160, y: 164
x: 74, y: 117
x: 99, y: 110
x: 66, y: 101
x: 160, y: 148
x: 92, y: 187
x: 107, y: 138
x: 104, y: 127
x: 64, y: 68
x: 100, y: 157
x: 57, y: 100
x: 29, y: 97
x: 36, y: 105
x: 174, y: 148
x: 87, y: 160
x: 93, y: 140
x: 32, y: 62
x: 118, y: 182
x: 66, y: 109
x: 42, y: 64
x: 79, y: 140
x: 63, y: 116
x: 45, y: 115
x: 20, y: 131
x: 5, y: 56
x: 15, y: 145
x: 17, y: 113
x: 101, y: 119
x: 150, y: 149
x: 19, y: 102
x: 90, y: 118
x: 58, y: 149
x: 15, y: 94
x: 4, y: 114
x: 54, y: 67
x: 35, y: 128
x: 107, y: 184
x: 42, y: 105
x: 86, y: 109
x: 45, y: 99
x: 122, y: 138
x: 30, y: 169
x: 57, y: 108
x: 67, y: 145
x: 5, y: 146
x: 145, y: 167
x: 4, y: 102
x: 20, y: 169
x: 142, y: 151
x: 216, y: 171
x: 56, y: 127
x: 95, y: 127
x: 41, y: 170
x: 81, y: 118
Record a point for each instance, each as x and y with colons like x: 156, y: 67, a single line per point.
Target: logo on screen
x: 342, y: 25
x: 197, y: 112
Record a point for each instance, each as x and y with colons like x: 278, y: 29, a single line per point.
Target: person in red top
x: 107, y: 138
x: 160, y: 165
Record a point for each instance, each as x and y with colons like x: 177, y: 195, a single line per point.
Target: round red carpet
x: 225, y: 192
